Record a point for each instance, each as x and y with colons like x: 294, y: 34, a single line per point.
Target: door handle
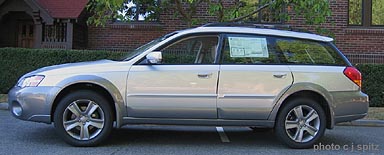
x: 280, y: 75
x: 204, y: 75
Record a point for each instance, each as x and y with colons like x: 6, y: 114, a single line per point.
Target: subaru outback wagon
x: 297, y: 83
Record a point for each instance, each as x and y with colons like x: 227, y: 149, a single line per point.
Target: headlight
x: 31, y: 81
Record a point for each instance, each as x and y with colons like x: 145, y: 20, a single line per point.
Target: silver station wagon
x: 297, y: 83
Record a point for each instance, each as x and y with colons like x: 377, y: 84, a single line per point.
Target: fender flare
x: 104, y: 83
x: 304, y: 86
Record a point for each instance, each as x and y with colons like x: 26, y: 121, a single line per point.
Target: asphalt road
x: 21, y: 137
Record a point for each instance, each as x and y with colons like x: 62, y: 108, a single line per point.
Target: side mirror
x: 154, y: 57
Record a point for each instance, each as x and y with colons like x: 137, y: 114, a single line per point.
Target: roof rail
x: 256, y: 25
x: 244, y: 24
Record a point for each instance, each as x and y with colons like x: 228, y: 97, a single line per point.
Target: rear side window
x: 297, y: 51
x: 248, y: 49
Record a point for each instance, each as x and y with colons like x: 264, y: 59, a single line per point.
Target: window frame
x: 366, y: 15
x: 371, y: 17
x: 179, y: 39
x: 279, y: 60
x: 325, y: 45
x: 226, y: 35
x: 362, y: 13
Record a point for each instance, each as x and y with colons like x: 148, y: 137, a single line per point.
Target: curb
x: 4, y: 106
x: 364, y: 122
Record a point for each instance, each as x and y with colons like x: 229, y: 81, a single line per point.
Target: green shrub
x: 373, y: 83
x: 15, y: 62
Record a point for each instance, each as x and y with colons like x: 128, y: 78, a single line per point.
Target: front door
x: 183, y: 85
x: 26, y: 34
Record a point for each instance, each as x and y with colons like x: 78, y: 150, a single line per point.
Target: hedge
x: 15, y: 62
x: 373, y: 83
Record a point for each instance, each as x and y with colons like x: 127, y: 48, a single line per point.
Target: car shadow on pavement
x: 177, y: 136
x: 190, y: 135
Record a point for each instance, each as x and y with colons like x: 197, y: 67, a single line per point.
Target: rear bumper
x: 349, y: 106
x: 32, y: 103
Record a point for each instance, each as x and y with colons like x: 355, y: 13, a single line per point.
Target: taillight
x: 353, y: 74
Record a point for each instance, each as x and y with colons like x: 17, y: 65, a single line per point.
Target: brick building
x: 358, y: 27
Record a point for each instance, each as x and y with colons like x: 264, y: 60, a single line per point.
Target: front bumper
x: 349, y: 106
x: 32, y: 103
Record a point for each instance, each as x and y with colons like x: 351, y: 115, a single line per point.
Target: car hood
x: 68, y: 68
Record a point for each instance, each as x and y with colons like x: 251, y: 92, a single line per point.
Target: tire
x: 300, y: 116
x: 83, y: 118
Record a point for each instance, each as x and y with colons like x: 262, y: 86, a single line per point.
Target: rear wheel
x: 301, y: 123
x: 83, y: 118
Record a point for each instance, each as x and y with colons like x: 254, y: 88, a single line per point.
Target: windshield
x: 148, y: 45
x: 141, y: 49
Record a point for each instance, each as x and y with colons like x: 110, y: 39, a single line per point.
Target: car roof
x: 259, y: 31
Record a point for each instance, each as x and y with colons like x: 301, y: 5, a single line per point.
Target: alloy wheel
x: 302, y: 123
x: 83, y: 119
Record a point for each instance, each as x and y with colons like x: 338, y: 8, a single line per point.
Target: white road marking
x: 222, y: 135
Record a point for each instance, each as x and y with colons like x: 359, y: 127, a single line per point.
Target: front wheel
x: 83, y: 118
x: 301, y: 123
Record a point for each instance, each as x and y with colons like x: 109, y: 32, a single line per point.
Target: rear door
x: 251, y: 77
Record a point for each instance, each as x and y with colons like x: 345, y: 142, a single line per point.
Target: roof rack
x: 256, y: 25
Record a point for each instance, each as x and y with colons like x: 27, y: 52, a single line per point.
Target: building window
x: 134, y: 10
x: 355, y: 12
x: 377, y: 12
x: 366, y: 13
x: 55, y: 33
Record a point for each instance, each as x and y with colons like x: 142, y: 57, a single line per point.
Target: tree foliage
x: 314, y: 12
x: 136, y: 9
x: 110, y: 10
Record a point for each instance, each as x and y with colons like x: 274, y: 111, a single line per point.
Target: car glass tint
x: 248, y: 49
x: 193, y: 50
x: 297, y: 51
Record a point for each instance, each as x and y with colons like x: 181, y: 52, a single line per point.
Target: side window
x: 193, y: 50
x: 248, y: 49
x: 307, y: 52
